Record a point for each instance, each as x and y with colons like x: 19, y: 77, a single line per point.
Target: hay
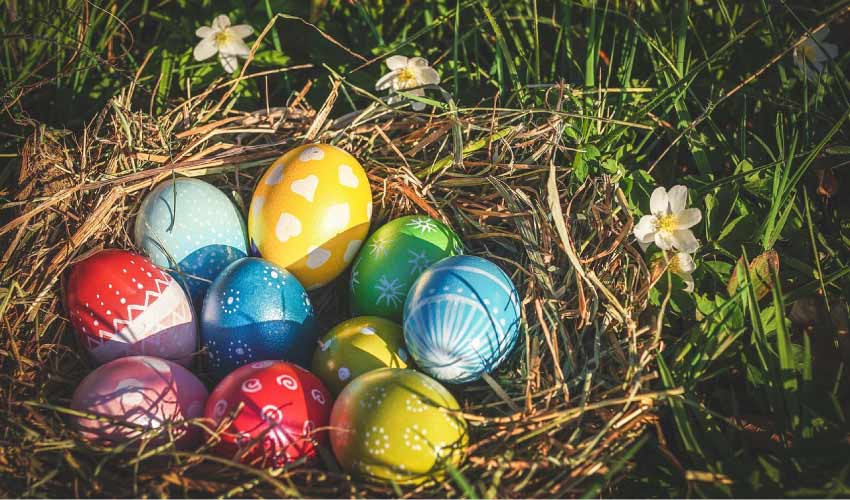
x: 561, y: 418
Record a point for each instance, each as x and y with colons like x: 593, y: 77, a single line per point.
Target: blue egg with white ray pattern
x: 461, y: 318
x: 191, y: 228
x: 255, y: 311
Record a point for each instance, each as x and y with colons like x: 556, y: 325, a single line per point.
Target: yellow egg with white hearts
x: 310, y: 212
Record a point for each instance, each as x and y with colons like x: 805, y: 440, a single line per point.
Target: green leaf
x: 271, y: 58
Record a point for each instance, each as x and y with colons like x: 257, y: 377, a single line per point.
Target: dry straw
x: 560, y: 418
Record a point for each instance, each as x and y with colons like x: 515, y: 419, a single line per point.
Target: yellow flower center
x: 675, y: 267
x: 667, y: 223
x: 221, y: 38
x: 406, y: 79
x: 808, y: 51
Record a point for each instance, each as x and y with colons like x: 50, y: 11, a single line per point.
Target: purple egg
x: 139, y: 394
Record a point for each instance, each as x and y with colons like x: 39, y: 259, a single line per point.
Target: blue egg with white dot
x: 256, y: 311
x: 461, y: 318
x: 191, y: 228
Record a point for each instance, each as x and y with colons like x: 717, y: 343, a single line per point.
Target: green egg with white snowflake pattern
x: 357, y: 346
x: 391, y: 260
x: 397, y: 425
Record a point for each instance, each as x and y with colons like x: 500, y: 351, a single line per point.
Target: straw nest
x: 562, y: 417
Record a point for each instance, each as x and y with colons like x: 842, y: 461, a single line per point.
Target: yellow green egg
x: 397, y: 425
x: 357, y: 346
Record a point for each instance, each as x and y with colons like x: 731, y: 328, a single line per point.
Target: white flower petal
x: 229, y: 62
x: 396, y: 62
x: 664, y: 240
x: 689, y: 281
x: 205, y: 49
x: 685, y: 263
x: 677, y: 197
x: 386, y: 81
x: 427, y: 76
x: 815, y: 68
x: 205, y: 31
x: 234, y: 47
x: 658, y: 202
x: 689, y: 217
x: 417, y: 106
x: 831, y: 50
x: 241, y: 30
x: 417, y: 62
x: 645, y: 229
x: 221, y: 22
x: 682, y: 240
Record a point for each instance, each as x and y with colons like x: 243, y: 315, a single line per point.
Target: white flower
x: 408, y: 74
x: 682, y: 264
x: 225, y: 40
x: 811, y: 55
x: 668, y: 226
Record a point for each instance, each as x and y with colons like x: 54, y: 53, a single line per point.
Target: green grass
x: 702, y: 93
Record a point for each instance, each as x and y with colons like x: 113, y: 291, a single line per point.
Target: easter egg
x: 121, y: 304
x: 192, y: 228
x: 461, y: 318
x: 357, y: 346
x: 140, y: 394
x: 256, y: 310
x: 310, y: 212
x: 283, y: 405
x: 392, y: 258
x: 393, y: 425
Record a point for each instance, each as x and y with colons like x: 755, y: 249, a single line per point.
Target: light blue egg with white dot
x: 255, y: 311
x: 193, y: 229
x: 461, y: 318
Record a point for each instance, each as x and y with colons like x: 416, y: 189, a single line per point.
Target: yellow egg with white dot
x: 397, y: 425
x: 310, y: 212
x: 357, y: 346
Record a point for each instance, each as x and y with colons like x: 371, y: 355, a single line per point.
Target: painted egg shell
x: 357, y: 346
x: 283, y: 404
x: 310, y: 212
x: 461, y: 318
x: 391, y: 260
x: 140, y: 394
x: 392, y: 425
x: 121, y: 304
x: 256, y: 310
x: 192, y: 228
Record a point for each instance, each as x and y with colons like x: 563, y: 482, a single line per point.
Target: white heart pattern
x: 339, y: 216
x: 347, y: 177
x: 311, y: 154
x: 369, y: 211
x: 275, y: 176
x: 317, y: 257
x: 351, y: 250
x: 288, y: 226
x: 306, y: 187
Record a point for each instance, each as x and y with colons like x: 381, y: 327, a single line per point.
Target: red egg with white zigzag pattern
x: 121, y: 304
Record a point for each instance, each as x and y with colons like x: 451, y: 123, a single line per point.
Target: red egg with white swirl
x: 121, y: 304
x: 284, y: 413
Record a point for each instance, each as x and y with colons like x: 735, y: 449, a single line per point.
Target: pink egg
x: 140, y: 393
x: 121, y: 304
